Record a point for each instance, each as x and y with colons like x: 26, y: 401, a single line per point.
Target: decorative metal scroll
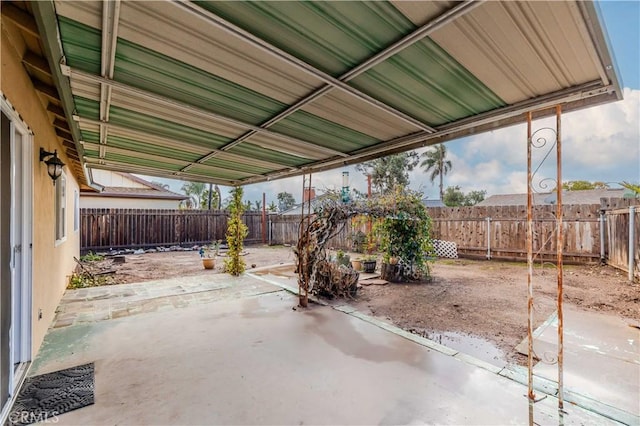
x: 544, y: 140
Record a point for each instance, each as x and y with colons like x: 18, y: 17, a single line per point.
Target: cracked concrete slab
x: 250, y: 358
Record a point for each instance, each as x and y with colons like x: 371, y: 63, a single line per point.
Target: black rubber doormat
x: 43, y: 398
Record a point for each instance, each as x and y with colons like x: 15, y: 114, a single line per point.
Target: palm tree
x: 437, y: 163
x: 195, y: 191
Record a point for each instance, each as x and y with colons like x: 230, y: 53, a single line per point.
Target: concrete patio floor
x: 234, y: 351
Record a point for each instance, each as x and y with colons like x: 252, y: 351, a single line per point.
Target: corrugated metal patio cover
x: 241, y: 92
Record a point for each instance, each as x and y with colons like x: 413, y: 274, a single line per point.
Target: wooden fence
x: 500, y: 231
x: 489, y: 232
x: 104, y: 229
x: 285, y: 230
x: 619, y: 233
x: 497, y: 232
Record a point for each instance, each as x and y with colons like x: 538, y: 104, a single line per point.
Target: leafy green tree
x: 272, y: 207
x: 436, y: 162
x: 453, y: 196
x: 195, y: 191
x: 215, y: 201
x: 635, y: 188
x: 258, y: 204
x: 582, y: 185
x: 391, y: 171
x: 285, y: 201
x: 236, y: 233
x: 406, y: 233
x: 474, y: 197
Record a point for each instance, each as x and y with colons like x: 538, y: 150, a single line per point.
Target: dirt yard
x: 469, y: 298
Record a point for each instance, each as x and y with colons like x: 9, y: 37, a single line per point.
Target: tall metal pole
x: 264, y: 218
x: 303, y: 278
x: 531, y: 395
x: 559, y: 248
x: 632, y: 242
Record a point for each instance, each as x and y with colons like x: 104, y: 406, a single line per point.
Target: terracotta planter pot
x: 357, y: 265
x: 208, y: 262
x: 393, y: 260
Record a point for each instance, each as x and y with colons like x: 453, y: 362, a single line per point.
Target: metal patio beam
x: 46, y: 19
x: 96, y: 163
x: 602, y: 55
x: 409, y: 40
x: 446, y: 132
x: 260, y: 44
x: 205, y: 114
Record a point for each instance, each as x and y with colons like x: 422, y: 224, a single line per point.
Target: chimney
x: 309, y: 194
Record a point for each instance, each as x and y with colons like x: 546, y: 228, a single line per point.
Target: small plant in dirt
x: 210, y: 250
x: 342, y: 258
x: 236, y: 233
x: 91, y: 257
x: 83, y: 280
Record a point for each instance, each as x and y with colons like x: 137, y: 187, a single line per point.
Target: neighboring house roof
x: 144, y: 189
x: 590, y: 196
x: 432, y: 203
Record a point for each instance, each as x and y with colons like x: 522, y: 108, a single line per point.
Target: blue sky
x: 599, y: 144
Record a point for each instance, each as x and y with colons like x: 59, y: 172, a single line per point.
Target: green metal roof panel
x: 422, y: 81
x: 89, y: 108
x: 156, y: 73
x: 148, y: 70
x: 225, y: 164
x: 425, y: 82
x: 221, y: 173
x: 254, y: 151
x: 328, y: 134
x: 89, y: 136
x: 82, y: 45
x: 135, y: 161
x: 332, y: 36
x: 136, y: 146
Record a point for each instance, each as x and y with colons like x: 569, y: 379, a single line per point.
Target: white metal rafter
x: 110, y: 20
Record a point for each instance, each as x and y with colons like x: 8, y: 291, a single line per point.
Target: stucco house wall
x: 124, y: 203
x: 52, y: 262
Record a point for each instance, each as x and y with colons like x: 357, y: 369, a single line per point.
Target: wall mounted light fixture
x: 54, y: 165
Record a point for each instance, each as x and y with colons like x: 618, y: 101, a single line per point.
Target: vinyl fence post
x: 632, y: 238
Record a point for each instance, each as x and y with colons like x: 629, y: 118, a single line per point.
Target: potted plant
x: 369, y: 264
x: 342, y: 258
x: 208, y: 253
